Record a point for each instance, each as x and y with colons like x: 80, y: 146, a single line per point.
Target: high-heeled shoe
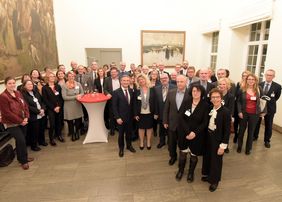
x: 141, y: 148
x: 149, y: 147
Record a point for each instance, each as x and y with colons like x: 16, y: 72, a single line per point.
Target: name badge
x: 85, y: 85
x: 188, y: 113
x: 139, y: 98
x: 253, y: 98
x: 222, y: 102
x: 35, y: 100
x: 272, y: 94
x: 57, y: 93
x: 76, y: 87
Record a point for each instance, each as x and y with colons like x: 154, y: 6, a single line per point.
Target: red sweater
x: 13, y: 109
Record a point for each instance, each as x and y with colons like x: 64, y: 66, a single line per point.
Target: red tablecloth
x: 93, y: 97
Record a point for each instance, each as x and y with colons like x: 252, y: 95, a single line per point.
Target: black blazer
x: 121, y: 108
x: 171, y: 113
x: 33, y: 111
x: 50, y: 99
x: 98, y: 85
x: 273, y: 93
x: 241, y: 102
x: 229, y: 101
x: 196, y: 122
x: 222, y: 122
x: 159, y: 103
x: 137, y: 106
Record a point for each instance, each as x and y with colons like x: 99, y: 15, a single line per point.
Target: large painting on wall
x: 27, y: 36
x: 167, y: 47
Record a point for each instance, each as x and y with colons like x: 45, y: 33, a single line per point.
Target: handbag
x: 263, y: 101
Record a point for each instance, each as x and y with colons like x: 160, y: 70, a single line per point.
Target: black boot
x: 77, y: 135
x: 181, y: 165
x: 192, y: 166
x: 73, y: 137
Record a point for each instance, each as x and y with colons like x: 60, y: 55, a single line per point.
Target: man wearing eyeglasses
x: 272, y: 90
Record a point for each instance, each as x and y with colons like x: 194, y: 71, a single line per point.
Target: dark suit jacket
x: 33, y: 111
x: 222, y: 122
x: 159, y: 103
x: 50, y: 99
x: 274, y: 93
x: 121, y: 108
x: 98, y: 85
x: 108, y: 86
x: 171, y: 113
x: 229, y: 101
x: 137, y: 106
x: 197, y: 122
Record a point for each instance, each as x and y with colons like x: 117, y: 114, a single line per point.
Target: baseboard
x: 277, y: 128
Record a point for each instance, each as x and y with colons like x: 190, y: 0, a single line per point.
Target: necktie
x: 266, y: 88
x: 80, y: 78
x: 164, y: 93
x: 126, y: 96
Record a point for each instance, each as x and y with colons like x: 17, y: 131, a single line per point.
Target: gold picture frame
x: 166, y: 47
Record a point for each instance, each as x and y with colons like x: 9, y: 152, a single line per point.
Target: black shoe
x: 61, y: 139
x: 44, y: 144
x: 267, y: 144
x: 53, y: 143
x: 171, y: 161
x: 213, y: 187
x: 77, y: 135
x: 190, y: 177
x: 35, y: 148
x: 160, y: 145
x: 149, y: 148
x: 226, y: 150
x: 141, y: 148
x: 73, y: 137
x: 248, y: 152
x: 255, y: 139
x: 131, y: 149
x: 120, y: 153
x: 179, y: 175
x: 204, y: 178
x: 239, y: 150
x: 112, y: 132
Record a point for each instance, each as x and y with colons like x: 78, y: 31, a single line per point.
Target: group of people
x: 193, y: 112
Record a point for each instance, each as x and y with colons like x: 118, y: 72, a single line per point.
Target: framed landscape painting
x: 167, y: 47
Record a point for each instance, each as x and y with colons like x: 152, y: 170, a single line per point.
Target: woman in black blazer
x: 217, y: 140
x: 52, y: 97
x: 35, y: 132
x: 228, y: 101
x: 144, y: 110
x: 248, y: 106
x: 99, y: 81
x: 192, y: 130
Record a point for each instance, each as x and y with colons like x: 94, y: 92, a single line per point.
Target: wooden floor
x: 94, y: 172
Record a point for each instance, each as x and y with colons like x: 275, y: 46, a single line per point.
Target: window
x: 257, y: 46
x: 214, y: 50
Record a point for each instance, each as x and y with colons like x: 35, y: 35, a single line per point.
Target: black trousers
x: 172, y: 143
x: 124, y: 129
x: 55, y: 121
x: 77, y: 123
x: 42, y: 127
x: 162, y: 132
x: 19, y: 133
x: 268, y: 122
x: 251, y: 121
x: 33, y: 129
x: 212, y: 162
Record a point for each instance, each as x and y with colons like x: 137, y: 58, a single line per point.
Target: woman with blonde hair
x: 144, y: 109
x: 248, y: 105
x: 73, y: 113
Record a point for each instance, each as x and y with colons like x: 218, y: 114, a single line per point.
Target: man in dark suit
x: 123, y: 99
x: 172, y: 110
x: 161, y: 69
x: 191, y: 76
x: 184, y: 69
x: 111, y: 84
x: 161, y: 92
x: 272, y: 90
x: 122, y: 69
x: 204, y: 76
x: 93, y: 75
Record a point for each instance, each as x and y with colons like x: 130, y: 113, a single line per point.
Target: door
x: 103, y: 55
